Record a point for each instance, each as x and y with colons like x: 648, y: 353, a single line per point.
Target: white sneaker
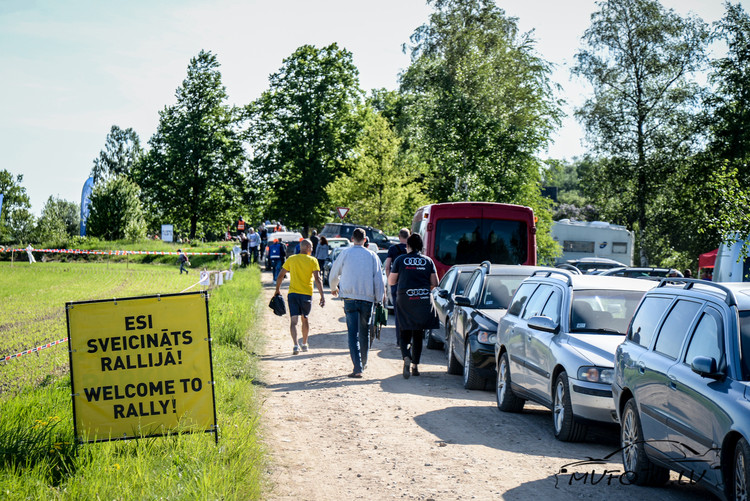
x: 295, y: 351
x: 304, y: 346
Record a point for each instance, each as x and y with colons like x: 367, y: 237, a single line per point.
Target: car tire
x: 638, y: 467
x: 507, y: 401
x: 432, y: 343
x: 472, y: 379
x: 567, y: 429
x: 739, y: 485
x: 453, y: 366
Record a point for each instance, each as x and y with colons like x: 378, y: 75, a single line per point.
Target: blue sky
x: 74, y: 68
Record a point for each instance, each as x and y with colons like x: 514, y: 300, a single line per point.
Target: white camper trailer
x: 731, y: 265
x: 580, y: 239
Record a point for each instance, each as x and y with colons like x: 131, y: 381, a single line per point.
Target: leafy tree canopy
x: 381, y: 189
x: 116, y: 211
x: 192, y: 175
x: 479, y: 102
x: 60, y: 219
x: 16, y: 219
x: 642, y: 117
x: 303, y: 129
x: 121, y: 153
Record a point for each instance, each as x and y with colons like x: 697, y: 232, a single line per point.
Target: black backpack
x: 277, y: 305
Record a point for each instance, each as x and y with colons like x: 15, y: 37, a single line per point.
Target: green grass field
x: 39, y: 457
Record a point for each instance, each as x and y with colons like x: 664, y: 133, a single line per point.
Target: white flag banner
x: 230, y: 274
x: 220, y: 278
x: 236, y: 256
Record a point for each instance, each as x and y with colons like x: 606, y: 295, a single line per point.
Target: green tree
x: 639, y: 58
x: 731, y: 75
x: 60, y: 219
x: 16, y: 220
x: 192, y: 175
x: 302, y: 130
x: 116, y: 211
x: 379, y: 184
x: 479, y: 103
x: 122, y: 151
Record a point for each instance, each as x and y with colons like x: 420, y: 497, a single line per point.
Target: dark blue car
x: 682, y: 386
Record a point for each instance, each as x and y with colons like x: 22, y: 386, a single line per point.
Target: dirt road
x: 385, y: 437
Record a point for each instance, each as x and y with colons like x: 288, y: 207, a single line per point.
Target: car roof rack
x: 486, y: 264
x: 546, y: 273
x: 730, y: 299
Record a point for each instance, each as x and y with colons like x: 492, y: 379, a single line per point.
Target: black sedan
x: 471, y: 343
x: 453, y: 283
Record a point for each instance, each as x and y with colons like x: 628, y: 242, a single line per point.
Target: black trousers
x: 412, y: 340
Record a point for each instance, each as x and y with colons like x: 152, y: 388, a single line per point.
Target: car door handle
x: 673, y: 381
x: 641, y: 368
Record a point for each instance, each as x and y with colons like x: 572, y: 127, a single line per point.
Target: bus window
x: 461, y: 241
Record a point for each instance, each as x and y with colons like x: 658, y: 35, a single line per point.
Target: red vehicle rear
x: 472, y: 232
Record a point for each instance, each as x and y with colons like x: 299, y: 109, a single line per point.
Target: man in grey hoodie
x: 357, y: 277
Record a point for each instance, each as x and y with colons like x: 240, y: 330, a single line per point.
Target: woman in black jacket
x: 416, y: 276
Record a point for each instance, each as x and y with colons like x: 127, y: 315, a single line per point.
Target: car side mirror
x: 462, y: 300
x: 544, y: 324
x: 706, y: 367
x: 442, y: 293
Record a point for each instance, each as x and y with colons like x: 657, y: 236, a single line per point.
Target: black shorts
x: 299, y: 304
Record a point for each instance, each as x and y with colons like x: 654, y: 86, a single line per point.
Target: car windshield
x: 745, y: 342
x: 498, y: 291
x: 462, y: 241
x: 603, y: 311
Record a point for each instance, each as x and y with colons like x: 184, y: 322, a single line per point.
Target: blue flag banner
x: 1, y: 203
x: 88, y: 187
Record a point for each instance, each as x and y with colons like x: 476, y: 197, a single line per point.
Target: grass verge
x: 39, y: 458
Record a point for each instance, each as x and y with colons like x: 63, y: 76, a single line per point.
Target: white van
x: 581, y: 239
x: 730, y: 266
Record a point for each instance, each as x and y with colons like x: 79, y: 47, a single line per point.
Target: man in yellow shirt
x: 304, y: 269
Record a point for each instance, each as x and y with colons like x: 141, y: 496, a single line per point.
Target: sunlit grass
x: 39, y: 457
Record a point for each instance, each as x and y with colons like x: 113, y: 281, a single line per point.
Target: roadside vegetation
x: 39, y: 457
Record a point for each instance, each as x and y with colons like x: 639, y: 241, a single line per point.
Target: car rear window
x: 603, y: 311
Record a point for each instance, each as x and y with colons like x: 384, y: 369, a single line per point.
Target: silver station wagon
x: 556, y: 346
x: 682, y: 386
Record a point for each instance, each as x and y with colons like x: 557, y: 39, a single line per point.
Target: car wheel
x: 453, y: 366
x: 567, y: 429
x: 432, y: 343
x: 507, y: 401
x: 472, y: 379
x: 639, y: 469
x: 741, y: 472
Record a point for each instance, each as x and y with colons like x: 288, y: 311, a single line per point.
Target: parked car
x: 471, y: 339
x: 345, y: 230
x: 326, y: 271
x: 452, y: 283
x: 591, y: 265
x: 681, y: 386
x: 632, y: 272
x: 290, y: 239
x: 336, y: 242
x: 556, y: 346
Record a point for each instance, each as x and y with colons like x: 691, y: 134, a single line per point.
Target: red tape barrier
x: 34, y: 350
x: 116, y: 252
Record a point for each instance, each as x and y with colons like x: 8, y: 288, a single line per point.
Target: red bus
x: 472, y: 232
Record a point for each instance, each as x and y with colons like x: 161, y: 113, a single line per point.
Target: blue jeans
x: 276, y: 268
x: 357, y: 324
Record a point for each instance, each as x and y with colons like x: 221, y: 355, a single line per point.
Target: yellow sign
x: 141, y: 366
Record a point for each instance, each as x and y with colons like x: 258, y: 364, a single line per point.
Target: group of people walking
x: 356, y: 277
